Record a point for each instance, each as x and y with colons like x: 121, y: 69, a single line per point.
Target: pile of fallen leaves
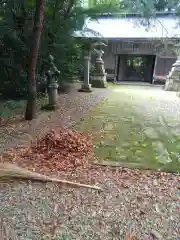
x: 58, y: 150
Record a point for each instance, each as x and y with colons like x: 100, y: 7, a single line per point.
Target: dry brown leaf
x: 129, y: 236
x: 59, y: 150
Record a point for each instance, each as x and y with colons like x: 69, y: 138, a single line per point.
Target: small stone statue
x: 52, y: 75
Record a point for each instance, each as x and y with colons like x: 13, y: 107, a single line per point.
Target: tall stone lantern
x: 173, y: 79
x: 98, y: 75
x: 90, y: 40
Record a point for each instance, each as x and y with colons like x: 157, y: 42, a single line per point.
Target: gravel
x: 141, y: 202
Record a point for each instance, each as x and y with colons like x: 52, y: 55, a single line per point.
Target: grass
x: 8, y: 108
x: 124, y: 137
x: 12, y: 108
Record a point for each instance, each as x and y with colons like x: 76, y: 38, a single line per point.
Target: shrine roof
x: 132, y: 27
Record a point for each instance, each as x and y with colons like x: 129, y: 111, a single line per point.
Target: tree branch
x: 69, y: 9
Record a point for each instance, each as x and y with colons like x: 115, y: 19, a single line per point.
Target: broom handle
x: 11, y: 170
x: 74, y: 184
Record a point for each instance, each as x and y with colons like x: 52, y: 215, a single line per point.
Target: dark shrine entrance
x: 137, y: 68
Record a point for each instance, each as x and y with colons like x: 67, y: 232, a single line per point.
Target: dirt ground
x: 134, y: 203
x: 72, y: 107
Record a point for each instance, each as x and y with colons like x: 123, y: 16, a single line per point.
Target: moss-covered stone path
x: 136, y: 126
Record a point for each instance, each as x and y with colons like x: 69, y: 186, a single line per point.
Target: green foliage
x: 14, y: 48
x: 161, y: 5
x: 61, y: 19
x: 8, y: 108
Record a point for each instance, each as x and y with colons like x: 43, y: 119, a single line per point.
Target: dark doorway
x: 137, y: 68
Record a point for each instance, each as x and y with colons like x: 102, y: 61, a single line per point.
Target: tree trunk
x: 32, y: 94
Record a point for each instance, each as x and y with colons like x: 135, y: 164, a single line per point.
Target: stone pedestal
x: 86, y: 86
x: 52, y: 97
x: 99, y: 81
x: 53, y: 94
x: 173, y: 79
x: 98, y: 77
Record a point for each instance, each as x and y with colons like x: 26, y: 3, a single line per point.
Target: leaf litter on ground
x: 67, y: 150
x: 61, y: 149
x: 68, y: 153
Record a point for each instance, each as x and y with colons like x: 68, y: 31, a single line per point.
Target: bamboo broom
x: 8, y: 170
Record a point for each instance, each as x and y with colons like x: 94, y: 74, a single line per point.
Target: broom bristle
x: 8, y: 170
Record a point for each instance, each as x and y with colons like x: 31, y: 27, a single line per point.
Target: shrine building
x: 138, y: 50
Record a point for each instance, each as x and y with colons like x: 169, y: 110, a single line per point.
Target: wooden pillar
x: 122, y: 68
x: 116, y: 68
x: 149, y: 69
x: 155, y: 65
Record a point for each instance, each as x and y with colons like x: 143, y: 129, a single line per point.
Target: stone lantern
x: 91, y: 40
x: 173, y: 79
x: 52, y: 75
x: 98, y: 75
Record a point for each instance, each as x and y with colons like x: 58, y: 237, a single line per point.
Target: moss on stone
x: 124, y: 136
x: 99, y: 84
